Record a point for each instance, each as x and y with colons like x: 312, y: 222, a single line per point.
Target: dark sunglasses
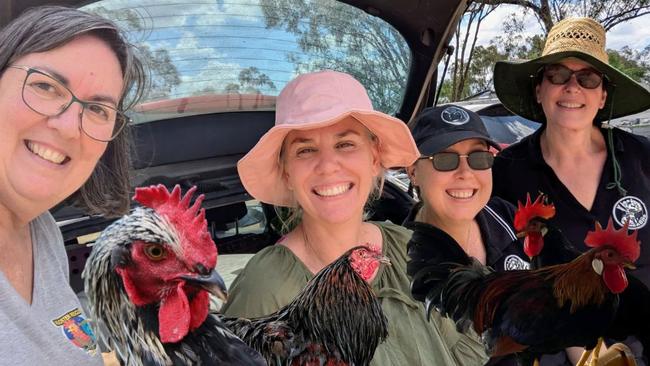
x: 557, y: 74
x: 448, y: 161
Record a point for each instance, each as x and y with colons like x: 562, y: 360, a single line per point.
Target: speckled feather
x: 133, y: 331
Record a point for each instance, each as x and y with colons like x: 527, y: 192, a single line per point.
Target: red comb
x: 532, y: 210
x: 625, y: 244
x: 188, y: 220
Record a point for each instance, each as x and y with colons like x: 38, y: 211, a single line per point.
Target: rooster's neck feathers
x: 589, y: 290
x: 111, y: 305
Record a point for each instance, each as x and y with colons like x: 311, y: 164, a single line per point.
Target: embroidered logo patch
x: 630, y: 209
x: 77, y: 329
x: 513, y: 262
x: 454, y: 116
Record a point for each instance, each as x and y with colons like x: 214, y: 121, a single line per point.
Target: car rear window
x: 236, y: 55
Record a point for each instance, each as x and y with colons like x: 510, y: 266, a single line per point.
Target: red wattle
x: 199, y: 307
x: 174, y: 316
x: 533, y: 243
x: 615, y: 278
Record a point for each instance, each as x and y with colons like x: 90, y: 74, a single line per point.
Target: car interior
x: 195, y: 137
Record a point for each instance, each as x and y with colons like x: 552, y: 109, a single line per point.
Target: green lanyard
x: 610, y: 145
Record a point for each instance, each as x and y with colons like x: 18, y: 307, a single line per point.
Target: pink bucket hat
x: 316, y: 100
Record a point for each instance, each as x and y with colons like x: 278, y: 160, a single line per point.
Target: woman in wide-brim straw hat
x: 324, y: 158
x: 589, y: 170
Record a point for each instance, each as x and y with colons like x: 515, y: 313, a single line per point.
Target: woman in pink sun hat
x: 323, y: 159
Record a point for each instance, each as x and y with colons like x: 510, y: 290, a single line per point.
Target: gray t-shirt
x: 53, y: 330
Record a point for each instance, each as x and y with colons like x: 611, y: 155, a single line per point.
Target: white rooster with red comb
x: 146, y: 281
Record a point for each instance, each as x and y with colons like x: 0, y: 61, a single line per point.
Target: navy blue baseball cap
x: 437, y: 128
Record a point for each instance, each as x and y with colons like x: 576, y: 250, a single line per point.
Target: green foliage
x: 162, y: 74
x: 632, y: 62
x: 250, y: 80
x: 512, y: 45
x: 332, y: 35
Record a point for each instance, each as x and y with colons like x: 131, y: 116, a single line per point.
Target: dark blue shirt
x: 521, y: 169
x: 502, y: 248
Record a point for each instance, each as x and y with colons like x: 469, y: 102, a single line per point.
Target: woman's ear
x: 537, y: 98
x: 285, y: 178
x: 376, y: 161
x: 287, y: 182
x: 604, y: 99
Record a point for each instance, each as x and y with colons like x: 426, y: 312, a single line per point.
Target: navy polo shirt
x: 502, y: 248
x: 521, y: 169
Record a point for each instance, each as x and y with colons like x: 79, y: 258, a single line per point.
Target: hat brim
x: 439, y: 143
x: 514, y: 83
x: 260, y: 172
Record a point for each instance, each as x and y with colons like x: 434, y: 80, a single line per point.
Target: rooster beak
x: 211, y: 282
x: 385, y: 260
x: 521, y: 234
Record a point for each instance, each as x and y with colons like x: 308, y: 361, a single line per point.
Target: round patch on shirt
x: 454, y: 116
x: 513, y: 263
x: 77, y: 329
x: 632, y: 210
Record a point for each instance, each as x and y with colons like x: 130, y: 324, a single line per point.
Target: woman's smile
x: 462, y: 194
x: 47, y: 153
x: 333, y: 190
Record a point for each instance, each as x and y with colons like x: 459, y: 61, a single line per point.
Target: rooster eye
x: 154, y: 252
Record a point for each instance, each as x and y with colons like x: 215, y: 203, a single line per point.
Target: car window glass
x: 508, y: 129
x: 234, y: 55
x: 253, y: 222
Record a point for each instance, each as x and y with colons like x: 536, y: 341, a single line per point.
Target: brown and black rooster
x: 147, y: 281
x: 536, y: 311
x: 544, y: 244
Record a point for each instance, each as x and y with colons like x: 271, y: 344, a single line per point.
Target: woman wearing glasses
x: 453, y: 178
x: 64, y: 75
x: 589, y: 170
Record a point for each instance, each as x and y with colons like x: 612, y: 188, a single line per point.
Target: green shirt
x: 274, y: 276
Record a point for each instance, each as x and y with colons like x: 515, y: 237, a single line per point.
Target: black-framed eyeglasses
x: 449, y: 161
x: 558, y: 74
x: 46, y: 95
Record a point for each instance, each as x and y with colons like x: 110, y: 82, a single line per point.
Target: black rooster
x: 334, y: 320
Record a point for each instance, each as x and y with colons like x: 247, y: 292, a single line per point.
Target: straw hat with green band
x: 582, y: 38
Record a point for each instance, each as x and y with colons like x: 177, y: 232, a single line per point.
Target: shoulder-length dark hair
x: 45, y: 28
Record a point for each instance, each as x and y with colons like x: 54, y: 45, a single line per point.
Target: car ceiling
x: 426, y: 25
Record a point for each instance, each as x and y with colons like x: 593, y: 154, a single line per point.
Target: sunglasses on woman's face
x: 448, y: 161
x: 558, y: 74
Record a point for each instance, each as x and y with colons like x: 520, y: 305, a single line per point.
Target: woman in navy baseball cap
x: 453, y: 178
